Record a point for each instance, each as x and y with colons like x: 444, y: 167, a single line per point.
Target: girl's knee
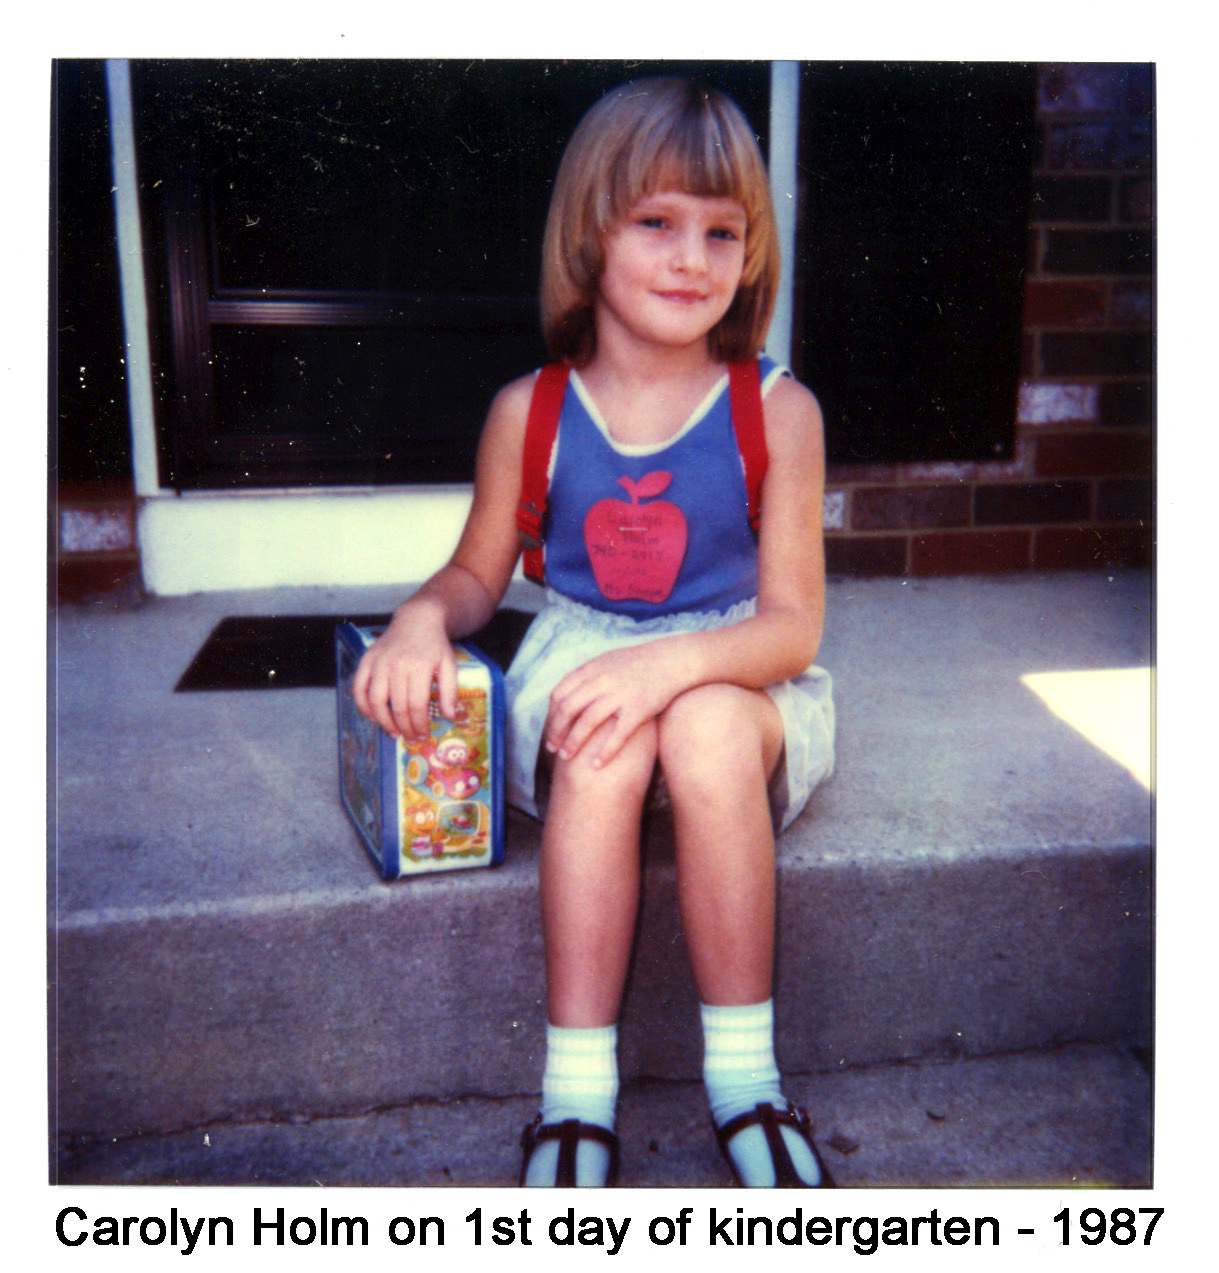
x: 625, y: 777
x: 716, y: 736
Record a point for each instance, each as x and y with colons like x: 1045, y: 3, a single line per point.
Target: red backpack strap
x: 745, y: 397
x: 540, y: 430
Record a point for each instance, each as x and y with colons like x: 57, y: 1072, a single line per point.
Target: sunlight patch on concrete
x: 1110, y: 707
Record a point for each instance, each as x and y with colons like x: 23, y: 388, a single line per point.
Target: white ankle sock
x: 739, y: 1071
x: 580, y: 1081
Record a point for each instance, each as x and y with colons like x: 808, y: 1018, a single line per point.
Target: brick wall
x: 1077, y: 493
x: 96, y: 552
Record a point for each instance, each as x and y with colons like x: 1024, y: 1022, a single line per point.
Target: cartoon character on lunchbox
x: 445, y: 767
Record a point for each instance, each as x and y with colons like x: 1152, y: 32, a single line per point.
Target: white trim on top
x: 646, y: 448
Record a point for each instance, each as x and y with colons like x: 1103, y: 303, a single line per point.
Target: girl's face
x: 672, y: 267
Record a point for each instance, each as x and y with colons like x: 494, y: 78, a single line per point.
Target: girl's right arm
x: 393, y: 683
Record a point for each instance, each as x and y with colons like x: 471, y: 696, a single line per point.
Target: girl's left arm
x: 780, y: 641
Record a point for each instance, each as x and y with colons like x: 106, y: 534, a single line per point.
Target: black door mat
x: 296, y: 651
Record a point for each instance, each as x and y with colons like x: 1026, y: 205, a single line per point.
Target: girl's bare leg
x: 590, y: 894
x: 590, y: 878
x: 718, y: 747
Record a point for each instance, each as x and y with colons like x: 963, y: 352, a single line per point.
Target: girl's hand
x: 630, y: 686
x: 393, y: 684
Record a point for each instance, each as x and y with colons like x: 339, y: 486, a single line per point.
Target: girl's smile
x: 672, y: 267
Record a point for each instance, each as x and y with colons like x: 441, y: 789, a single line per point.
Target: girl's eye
x: 723, y: 232
x: 652, y: 223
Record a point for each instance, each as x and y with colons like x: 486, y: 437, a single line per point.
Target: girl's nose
x: 691, y: 254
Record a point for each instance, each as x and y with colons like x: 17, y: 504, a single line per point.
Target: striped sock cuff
x: 739, y: 1039
x: 581, y: 1077
x: 739, y: 1065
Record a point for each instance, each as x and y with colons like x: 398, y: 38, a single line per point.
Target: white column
x: 137, y: 354
x: 784, y: 132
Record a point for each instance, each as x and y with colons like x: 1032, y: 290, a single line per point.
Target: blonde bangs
x: 646, y: 136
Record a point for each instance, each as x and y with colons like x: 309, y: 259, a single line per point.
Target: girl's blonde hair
x: 642, y: 137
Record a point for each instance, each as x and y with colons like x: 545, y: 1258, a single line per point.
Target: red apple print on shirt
x: 636, y: 549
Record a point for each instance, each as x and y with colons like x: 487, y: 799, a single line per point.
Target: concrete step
x: 1069, y: 1117
x: 975, y: 880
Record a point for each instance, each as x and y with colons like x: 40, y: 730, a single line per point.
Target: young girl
x: 675, y: 649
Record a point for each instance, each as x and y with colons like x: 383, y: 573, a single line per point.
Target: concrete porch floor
x: 964, y: 977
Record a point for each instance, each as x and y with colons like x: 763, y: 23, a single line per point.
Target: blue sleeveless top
x: 647, y: 531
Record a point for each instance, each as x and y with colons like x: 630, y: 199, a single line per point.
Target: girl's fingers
x: 592, y: 719
x: 419, y: 698
x: 364, y: 686
x: 399, y: 698
x: 446, y: 685
x: 566, y: 707
x: 396, y: 690
x: 579, y: 681
x: 402, y: 711
x: 585, y: 724
x: 379, y: 703
x: 400, y: 704
x: 581, y: 729
x: 359, y: 688
x: 623, y: 727
x: 371, y: 690
x: 584, y: 701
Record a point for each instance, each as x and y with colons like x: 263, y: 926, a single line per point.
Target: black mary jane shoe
x: 770, y: 1119
x: 569, y: 1134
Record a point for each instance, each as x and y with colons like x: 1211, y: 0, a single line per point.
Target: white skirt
x: 566, y: 635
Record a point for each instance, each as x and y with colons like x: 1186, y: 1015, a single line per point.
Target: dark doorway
x: 914, y: 186
x: 344, y: 255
